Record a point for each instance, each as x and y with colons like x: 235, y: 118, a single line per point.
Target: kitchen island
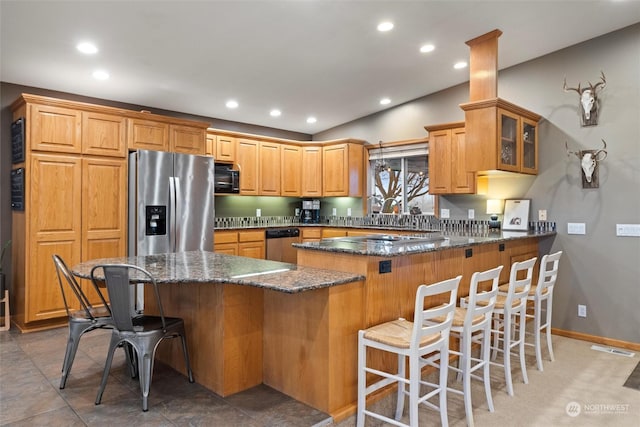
x: 241, y: 322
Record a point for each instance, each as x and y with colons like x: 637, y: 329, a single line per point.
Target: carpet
x: 634, y: 379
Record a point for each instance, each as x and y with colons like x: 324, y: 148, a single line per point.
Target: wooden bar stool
x: 427, y: 334
x: 509, y: 319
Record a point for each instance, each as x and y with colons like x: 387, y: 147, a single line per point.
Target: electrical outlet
x: 348, y: 211
x: 471, y: 213
x: 582, y: 310
x: 444, y: 213
x: 542, y: 215
x: 334, y: 211
x: 258, y: 212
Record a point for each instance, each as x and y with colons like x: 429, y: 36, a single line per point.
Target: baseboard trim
x: 596, y: 339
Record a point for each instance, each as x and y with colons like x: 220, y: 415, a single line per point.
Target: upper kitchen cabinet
x: 311, y: 171
x: 154, y: 132
x: 54, y: 128
x: 225, y: 149
x: 501, y: 136
x: 270, y: 168
x: 247, y: 159
x: 148, y: 135
x: 342, y: 169
x: 291, y: 167
x: 448, y: 172
x: 104, y: 134
x: 186, y: 139
x: 210, y: 145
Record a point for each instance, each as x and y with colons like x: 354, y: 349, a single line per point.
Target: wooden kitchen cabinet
x: 342, y: 170
x: 225, y: 149
x: 210, y: 145
x: 311, y: 173
x: 501, y: 136
x: 55, y: 129
x: 291, y: 170
x: 247, y: 159
x: 243, y: 243
x: 310, y: 234
x: 270, y: 168
x: 448, y: 160
x: 186, y: 139
x: 104, y: 134
x: 148, y: 135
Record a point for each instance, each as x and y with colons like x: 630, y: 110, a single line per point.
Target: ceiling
x: 316, y: 58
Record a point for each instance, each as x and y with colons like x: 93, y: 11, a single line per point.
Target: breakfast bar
x: 252, y: 321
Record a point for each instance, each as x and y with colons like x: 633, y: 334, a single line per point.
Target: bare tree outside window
x: 401, y: 186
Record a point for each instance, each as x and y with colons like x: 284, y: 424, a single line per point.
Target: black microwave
x: 227, y: 180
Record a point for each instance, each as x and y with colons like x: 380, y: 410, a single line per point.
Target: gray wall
x: 597, y: 269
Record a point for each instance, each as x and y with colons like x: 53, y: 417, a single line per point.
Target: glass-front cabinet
x: 501, y: 136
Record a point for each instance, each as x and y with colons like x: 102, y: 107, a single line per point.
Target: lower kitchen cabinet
x: 243, y: 243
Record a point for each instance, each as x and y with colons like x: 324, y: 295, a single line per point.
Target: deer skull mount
x: 589, y: 160
x: 588, y: 100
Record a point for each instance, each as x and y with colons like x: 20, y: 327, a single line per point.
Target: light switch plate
x: 444, y: 213
x: 628, y: 230
x: 472, y: 213
x: 542, y: 215
x: 576, y: 228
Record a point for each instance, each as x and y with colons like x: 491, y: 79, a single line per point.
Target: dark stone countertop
x: 210, y: 267
x: 418, y: 244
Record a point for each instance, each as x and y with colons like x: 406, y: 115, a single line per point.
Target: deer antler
x: 602, y: 82
x: 571, y: 152
x: 602, y: 150
x: 567, y: 89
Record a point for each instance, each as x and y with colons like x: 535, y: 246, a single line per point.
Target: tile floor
x: 30, y: 367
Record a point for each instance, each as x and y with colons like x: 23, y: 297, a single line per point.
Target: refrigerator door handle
x: 178, y: 206
x: 172, y: 213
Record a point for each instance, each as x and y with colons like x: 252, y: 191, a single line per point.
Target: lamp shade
x: 494, y: 206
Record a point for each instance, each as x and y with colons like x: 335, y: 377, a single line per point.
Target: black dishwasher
x: 279, y: 242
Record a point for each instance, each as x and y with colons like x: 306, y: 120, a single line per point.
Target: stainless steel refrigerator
x: 171, y: 202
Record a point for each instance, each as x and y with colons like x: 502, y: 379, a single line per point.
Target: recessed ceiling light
x: 87, y: 48
x: 459, y: 65
x: 232, y: 103
x: 275, y: 112
x: 385, y: 26
x: 311, y: 120
x: 100, y: 75
x: 427, y: 48
x: 385, y: 101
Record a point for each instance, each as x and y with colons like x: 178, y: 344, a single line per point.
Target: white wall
x: 598, y: 269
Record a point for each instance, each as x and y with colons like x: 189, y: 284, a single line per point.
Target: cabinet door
x: 311, y: 174
x: 148, y: 135
x: 210, y: 145
x: 104, y: 134
x: 104, y: 212
x: 335, y: 177
x: 291, y: 171
x: 251, y: 249
x: 54, y: 224
x: 270, y: 168
x: 462, y: 182
x: 226, y: 248
x: 55, y: 129
x: 247, y: 158
x: 186, y: 139
x: 225, y: 149
x: 509, y: 141
x: 440, y: 162
x: 529, y: 146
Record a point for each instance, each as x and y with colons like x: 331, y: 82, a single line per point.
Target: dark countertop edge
x: 455, y: 242
x: 365, y: 227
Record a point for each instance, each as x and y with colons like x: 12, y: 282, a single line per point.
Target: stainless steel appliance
x: 171, y: 204
x: 310, y: 213
x: 227, y: 179
x: 279, y: 242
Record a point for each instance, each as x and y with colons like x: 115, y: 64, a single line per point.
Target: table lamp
x: 494, y: 208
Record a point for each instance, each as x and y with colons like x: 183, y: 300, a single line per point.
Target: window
x: 400, y: 180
